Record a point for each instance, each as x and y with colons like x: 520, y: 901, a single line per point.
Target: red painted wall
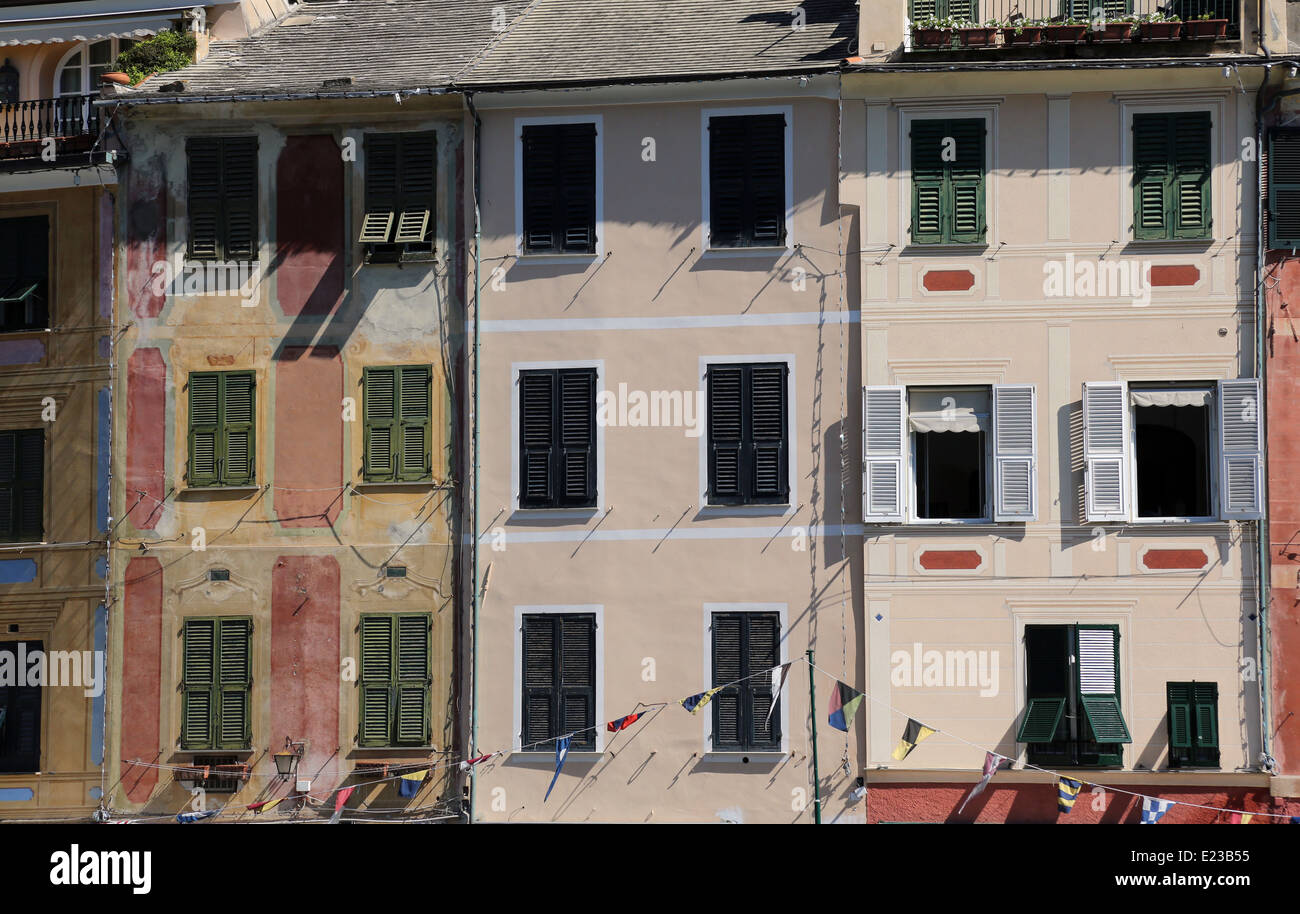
x: 146, y: 428
x: 309, y: 436
x: 310, y: 225
x: 146, y: 233
x: 141, y: 674
x: 305, y: 662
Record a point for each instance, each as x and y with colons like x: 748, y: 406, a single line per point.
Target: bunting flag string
x: 561, y: 753
x: 1067, y: 791
x: 409, y: 784
x: 471, y: 762
x: 779, y: 675
x: 339, y: 802
x: 1240, y: 818
x: 265, y: 805
x: 913, y: 733
x: 992, y: 761
x: 615, y: 726
x: 186, y: 818
x: 1153, y: 810
x: 694, y: 702
x: 845, y: 701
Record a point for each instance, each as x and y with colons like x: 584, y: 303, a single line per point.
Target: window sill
x: 520, y: 515
x: 581, y: 755
x: 426, y: 749
x: 17, y: 331
x: 524, y: 258
x: 22, y: 544
x: 751, y: 251
x: 210, y: 489
x: 248, y: 751
x: 421, y: 484
x: 730, y: 757
x: 707, y: 510
x: 967, y: 248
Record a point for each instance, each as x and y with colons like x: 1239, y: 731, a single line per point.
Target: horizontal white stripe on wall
x: 683, y: 322
x: 701, y: 533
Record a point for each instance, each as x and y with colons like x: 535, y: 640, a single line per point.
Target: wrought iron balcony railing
x: 72, y: 121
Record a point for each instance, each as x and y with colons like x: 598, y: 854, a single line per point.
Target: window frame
x: 32, y: 644
x: 986, y: 462
x: 706, y: 114
x: 947, y: 234
x: 909, y: 113
x: 19, y: 434
x: 394, y: 683
x: 222, y: 432
x: 782, y: 713
x: 115, y: 48
x: 521, y: 253
x: 1192, y: 761
x: 600, y: 719
x: 46, y: 281
x: 517, y: 369
x: 398, y: 251
x: 1212, y: 457
x: 221, y: 253
x: 1224, y: 220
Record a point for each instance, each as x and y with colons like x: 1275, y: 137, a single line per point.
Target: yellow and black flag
x: 913, y: 734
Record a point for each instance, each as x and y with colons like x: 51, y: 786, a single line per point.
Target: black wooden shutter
x: 22, y: 489
x: 578, y: 187
x: 8, y: 484
x: 20, y: 735
x: 559, y: 192
x: 747, y: 181
x: 578, y: 680
x: 557, y: 439
x: 239, y: 197
x: 729, y: 732
x: 559, y: 681
x: 541, y: 189
x: 748, y: 434
x: 768, y: 446
x: 539, y: 713
x: 726, y: 438
x: 536, y: 438
x: 577, y: 450
x: 744, y: 645
x: 381, y: 188
x: 204, y: 197
x: 415, y: 207
x: 762, y: 652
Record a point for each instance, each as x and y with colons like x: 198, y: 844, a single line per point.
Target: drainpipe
x: 474, y: 599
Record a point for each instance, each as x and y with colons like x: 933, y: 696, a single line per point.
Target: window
x: 559, y: 657
x: 8, y: 84
x: 1284, y: 189
x: 22, y: 486
x: 222, y: 197
x: 747, y: 181
x: 749, y: 440
x: 1072, y: 708
x: 945, y: 432
x: 216, y: 679
x: 395, y: 679
x: 222, y: 440
x: 24, y: 273
x: 20, y: 712
x: 559, y: 188
x: 397, y: 423
x: 1171, y: 175
x: 1193, y: 724
x: 80, y: 71
x: 1164, y: 452
x: 557, y: 438
x: 745, y: 644
x: 400, y: 172
x: 222, y: 776
x: 948, y: 181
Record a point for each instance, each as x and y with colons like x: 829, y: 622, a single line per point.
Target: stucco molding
x: 948, y: 372
x: 1189, y: 366
x: 22, y: 404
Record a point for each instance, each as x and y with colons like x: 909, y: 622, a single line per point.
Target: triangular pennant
x: 695, y: 702
x: 1154, y: 810
x: 991, y: 763
x: 778, y: 683
x: 845, y: 701
x: 913, y: 733
x: 340, y: 800
x: 561, y: 753
x: 409, y: 784
x: 1067, y: 791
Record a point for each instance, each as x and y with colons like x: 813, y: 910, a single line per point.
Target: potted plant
x: 932, y: 32
x: 161, y: 53
x: 1022, y: 33
x: 122, y: 79
x: 1203, y: 27
x: 1066, y: 31
x: 974, y: 35
x: 1159, y: 27
x: 1108, y: 31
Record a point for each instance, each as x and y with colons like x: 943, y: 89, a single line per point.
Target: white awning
x: 1170, y: 397
x: 948, y: 410
x: 140, y: 26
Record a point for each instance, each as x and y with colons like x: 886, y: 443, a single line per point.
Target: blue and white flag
x: 186, y: 818
x: 561, y: 753
x: 1154, y: 810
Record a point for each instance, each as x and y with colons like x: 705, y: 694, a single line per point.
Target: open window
x: 950, y: 437
x: 24, y: 273
x: 1158, y: 452
x: 400, y: 196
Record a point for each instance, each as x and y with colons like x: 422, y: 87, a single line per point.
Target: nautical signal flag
x: 561, y: 753
x: 913, y: 733
x: 409, y: 784
x: 1067, y: 791
x: 1240, y: 818
x: 845, y: 701
x: 266, y: 805
x: 186, y: 818
x: 469, y: 763
x: 695, y: 702
x: 991, y: 763
x: 623, y: 722
x: 1154, y: 810
x: 779, y: 673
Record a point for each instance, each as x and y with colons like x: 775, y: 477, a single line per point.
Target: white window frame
x: 1213, y: 458
x: 517, y: 677
x: 913, y: 510
x: 917, y: 112
x: 517, y: 368
x: 783, y: 643
x: 705, y: 116
x: 792, y: 425
x: 84, y: 48
x: 519, y: 124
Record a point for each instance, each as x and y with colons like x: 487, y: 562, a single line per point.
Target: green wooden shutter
x: 1178, y: 696
x: 1083, y: 9
x: 1097, y: 677
x: 725, y: 387
x: 205, y: 428
x: 379, y: 407
x: 965, y: 190
x: 381, y: 188
x: 237, y: 451
x: 577, y: 183
x: 413, y: 679
x: 1205, y: 714
x: 375, y: 712
x: 577, y: 444
x: 234, y: 683
x: 577, y: 669
x: 414, y: 417
x: 536, y: 438
x: 1042, y: 717
x: 1284, y: 189
x: 1152, y: 175
x: 769, y: 470
x: 728, y: 663
x: 539, y: 698
x: 416, y: 190
x: 929, y: 182
x: 239, y: 197
x: 962, y: 10
x: 198, y: 682
x: 540, y: 146
x: 1190, y: 191
x: 203, y: 182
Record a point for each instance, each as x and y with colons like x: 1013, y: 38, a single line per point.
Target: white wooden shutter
x: 1097, y: 673
x: 1015, y: 452
x: 1105, y: 450
x: 884, y: 439
x: 1241, y: 451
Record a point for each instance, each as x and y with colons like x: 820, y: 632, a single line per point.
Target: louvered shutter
x: 1152, y: 176
x: 577, y: 445
x: 198, y: 682
x: 536, y: 437
x: 416, y: 187
x: 577, y: 208
x: 237, y: 452
x: 578, y: 680
x: 929, y: 181
x: 381, y: 189
x: 203, y: 179
x: 1241, y: 449
x: 539, y: 698
x: 1284, y: 189
x: 1098, y: 682
x: 1085, y: 9
x: 921, y: 9
x: 726, y: 435
x: 205, y: 428
x: 766, y: 178
x: 8, y: 484
x: 728, y: 644
x: 1205, y: 715
x: 380, y: 415
x: 769, y: 457
x: 884, y: 415
x: 411, y: 698
x: 541, y: 190
x: 239, y: 197
x: 728, y: 182
x: 966, y: 182
x: 30, y: 490
x: 1178, y: 696
x: 559, y: 192
x: 415, y: 423
x: 1042, y: 717
x: 1192, y: 168
x: 1105, y: 450
x: 762, y: 652
x: 963, y: 10
x: 234, y: 681
x: 375, y: 715
x: 1015, y: 453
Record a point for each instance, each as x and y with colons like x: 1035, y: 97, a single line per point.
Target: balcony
x: 72, y: 122
x: 1146, y: 28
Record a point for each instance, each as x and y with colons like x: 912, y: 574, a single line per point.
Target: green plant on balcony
x: 159, y: 53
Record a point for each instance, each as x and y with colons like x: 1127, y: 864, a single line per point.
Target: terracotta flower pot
x: 977, y: 37
x: 932, y: 38
x: 1029, y: 35
x: 1065, y: 34
x: 1160, y: 31
x: 1112, y: 32
x: 120, y: 78
x: 1205, y: 28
